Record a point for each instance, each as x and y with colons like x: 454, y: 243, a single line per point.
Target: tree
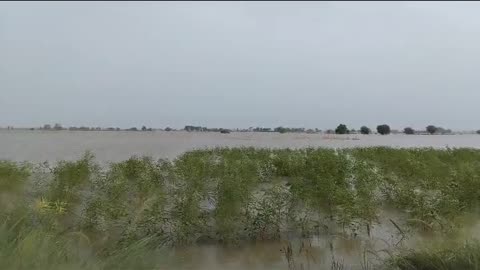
x: 431, y: 129
x: 341, y: 129
x: 47, y: 126
x: 478, y: 131
x: 168, y: 129
x: 383, y: 129
x: 280, y: 130
x: 408, y: 131
x: 57, y: 127
x: 365, y: 130
x: 144, y: 128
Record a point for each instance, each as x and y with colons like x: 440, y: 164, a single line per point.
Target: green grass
x: 465, y: 256
x: 257, y: 194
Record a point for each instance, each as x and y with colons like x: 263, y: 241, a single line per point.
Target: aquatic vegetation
x: 463, y: 256
x: 12, y: 176
x: 229, y: 196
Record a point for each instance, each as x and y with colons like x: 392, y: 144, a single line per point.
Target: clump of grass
x: 23, y: 247
x: 69, y: 177
x: 39, y: 249
x: 13, y: 176
x: 13, y: 179
x: 268, y: 213
x: 128, y: 202
x: 465, y: 256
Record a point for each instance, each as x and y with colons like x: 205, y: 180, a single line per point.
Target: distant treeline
x: 84, y: 128
x: 382, y: 129
x: 251, y: 129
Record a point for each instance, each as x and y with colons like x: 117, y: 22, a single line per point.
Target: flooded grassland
x: 245, y: 208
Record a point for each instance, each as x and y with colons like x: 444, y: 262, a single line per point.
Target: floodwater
x: 318, y: 252
x: 314, y: 253
x: 111, y: 146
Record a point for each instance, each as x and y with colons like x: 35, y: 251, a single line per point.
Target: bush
x: 341, y: 129
x: 408, y: 130
x: 365, y: 130
x: 280, y: 130
x: 383, y: 129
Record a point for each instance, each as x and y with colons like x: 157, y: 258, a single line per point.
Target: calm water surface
x: 315, y: 253
x: 51, y: 146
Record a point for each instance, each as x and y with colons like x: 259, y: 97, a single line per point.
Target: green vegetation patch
x: 229, y: 196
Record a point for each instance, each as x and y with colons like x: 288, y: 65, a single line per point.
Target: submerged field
x: 113, y: 146
x: 141, y: 213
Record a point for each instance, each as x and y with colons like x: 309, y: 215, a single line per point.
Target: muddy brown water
x: 39, y: 146
x: 318, y: 251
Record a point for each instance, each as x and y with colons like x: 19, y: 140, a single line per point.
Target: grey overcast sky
x: 240, y: 64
